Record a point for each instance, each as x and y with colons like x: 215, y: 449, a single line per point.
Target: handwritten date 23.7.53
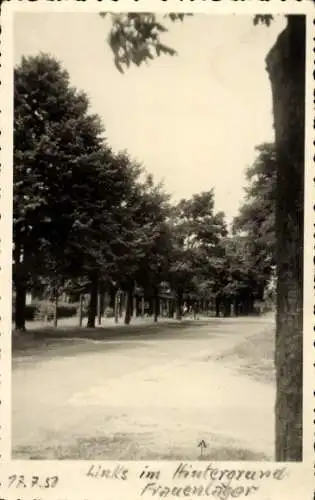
x: 18, y: 481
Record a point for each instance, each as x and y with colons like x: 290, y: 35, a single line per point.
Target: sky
x: 192, y: 120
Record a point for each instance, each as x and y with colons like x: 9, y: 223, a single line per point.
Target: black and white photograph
x: 158, y: 229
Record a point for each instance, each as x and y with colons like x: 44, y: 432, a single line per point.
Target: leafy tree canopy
x: 136, y: 38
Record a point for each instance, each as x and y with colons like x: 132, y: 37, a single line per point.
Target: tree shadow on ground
x: 50, y: 337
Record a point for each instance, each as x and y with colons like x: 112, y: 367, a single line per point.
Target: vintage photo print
x: 156, y: 225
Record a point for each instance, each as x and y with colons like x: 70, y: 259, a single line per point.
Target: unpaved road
x: 153, y: 396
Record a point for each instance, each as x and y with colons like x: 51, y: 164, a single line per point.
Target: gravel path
x: 149, y: 396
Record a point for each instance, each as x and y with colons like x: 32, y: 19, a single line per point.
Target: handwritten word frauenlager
x: 212, y: 489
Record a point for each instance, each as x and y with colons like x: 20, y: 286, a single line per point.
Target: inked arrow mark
x: 202, y: 445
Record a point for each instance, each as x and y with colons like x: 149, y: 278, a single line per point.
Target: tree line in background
x: 88, y: 220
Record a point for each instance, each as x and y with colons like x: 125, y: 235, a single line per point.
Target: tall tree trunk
x: 80, y: 310
x: 134, y: 306
x: 142, y: 307
x: 178, y: 305
x: 250, y: 304
x: 194, y: 309
x: 134, y: 301
x: 236, y: 307
x: 128, y: 309
x: 20, y: 287
x: 92, y: 311
x: 117, y: 305
x: 100, y: 299
x: 229, y: 307
x: 169, y: 307
x: 20, y: 305
x: 155, y: 305
x: 161, y: 307
x: 122, y: 303
x: 286, y: 67
x: 47, y: 303
x: 55, y: 320
x: 217, y: 307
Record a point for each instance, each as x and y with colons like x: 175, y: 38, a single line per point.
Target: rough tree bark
x: 286, y: 67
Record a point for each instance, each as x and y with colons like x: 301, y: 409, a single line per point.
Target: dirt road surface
x: 150, y: 396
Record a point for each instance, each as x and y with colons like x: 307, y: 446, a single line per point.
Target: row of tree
x: 135, y: 38
x: 88, y: 219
